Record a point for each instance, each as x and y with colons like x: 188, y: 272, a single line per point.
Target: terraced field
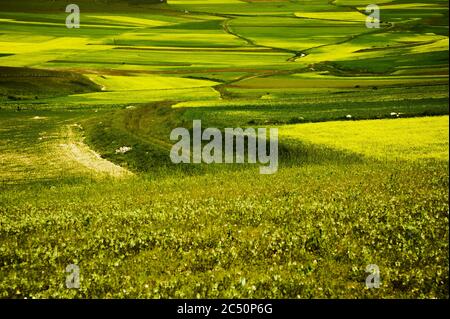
x: 86, y: 178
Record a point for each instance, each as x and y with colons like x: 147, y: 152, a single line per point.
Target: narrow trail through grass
x: 76, y: 150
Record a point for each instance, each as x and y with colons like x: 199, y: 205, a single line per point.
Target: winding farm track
x: 45, y: 148
x: 76, y: 150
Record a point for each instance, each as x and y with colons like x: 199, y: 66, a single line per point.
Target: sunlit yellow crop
x: 154, y: 82
x: 410, y: 139
x: 344, y: 16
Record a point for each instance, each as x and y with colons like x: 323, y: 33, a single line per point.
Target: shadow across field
x: 31, y: 84
x: 146, y: 130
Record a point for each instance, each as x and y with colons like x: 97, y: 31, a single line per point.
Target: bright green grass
x: 284, y: 106
x: 299, y: 36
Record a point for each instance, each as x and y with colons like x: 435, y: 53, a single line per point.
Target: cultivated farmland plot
x: 87, y: 181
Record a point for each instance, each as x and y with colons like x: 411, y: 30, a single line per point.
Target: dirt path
x: 76, y: 150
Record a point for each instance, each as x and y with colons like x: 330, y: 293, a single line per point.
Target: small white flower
x: 39, y: 118
x: 348, y: 116
x: 123, y: 149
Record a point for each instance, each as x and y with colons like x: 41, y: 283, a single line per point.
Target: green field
x: 362, y: 115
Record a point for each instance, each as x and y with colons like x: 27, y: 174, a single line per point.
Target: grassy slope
x: 228, y: 234
x: 25, y: 83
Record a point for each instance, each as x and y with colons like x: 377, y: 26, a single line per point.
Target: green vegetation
x: 24, y: 83
x: 86, y: 178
